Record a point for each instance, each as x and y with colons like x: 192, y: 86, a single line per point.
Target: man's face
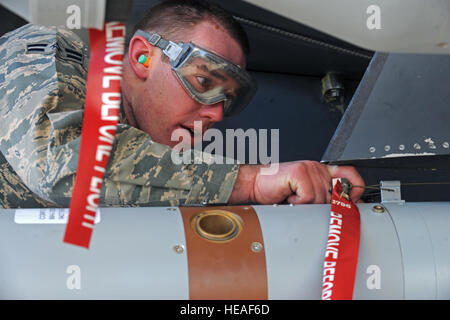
x: 162, y: 105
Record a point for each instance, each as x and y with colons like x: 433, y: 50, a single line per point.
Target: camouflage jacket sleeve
x: 42, y: 102
x: 141, y: 171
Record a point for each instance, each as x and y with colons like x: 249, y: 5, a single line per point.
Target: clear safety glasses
x: 207, y: 77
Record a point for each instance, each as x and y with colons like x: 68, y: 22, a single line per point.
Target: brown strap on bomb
x: 225, y: 251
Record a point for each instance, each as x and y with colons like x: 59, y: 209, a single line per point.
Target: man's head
x: 154, y: 99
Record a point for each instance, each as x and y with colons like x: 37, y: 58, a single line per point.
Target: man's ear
x: 138, y: 47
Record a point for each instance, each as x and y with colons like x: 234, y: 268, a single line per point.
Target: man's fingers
x: 304, y: 182
x: 352, y: 175
x: 301, y: 186
x: 294, y: 199
x: 332, y: 170
x: 323, y: 184
x: 312, y: 182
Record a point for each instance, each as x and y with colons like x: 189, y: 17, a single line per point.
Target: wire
x: 374, y: 186
x: 424, y: 183
x: 301, y: 38
x: 378, y: 186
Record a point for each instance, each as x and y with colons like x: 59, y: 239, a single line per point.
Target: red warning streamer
x: 101, y: 114
x: 341, y: 256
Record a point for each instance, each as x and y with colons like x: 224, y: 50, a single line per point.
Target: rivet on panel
x: 256, y: 247
x: 378, y: 208
x: 178, y: 248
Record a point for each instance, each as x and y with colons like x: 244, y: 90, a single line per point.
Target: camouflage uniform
x: 42, y: 100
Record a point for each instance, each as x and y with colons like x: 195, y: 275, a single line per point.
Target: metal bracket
x: 173, y: 50
x: 390, y: 192
x: 154, y: 39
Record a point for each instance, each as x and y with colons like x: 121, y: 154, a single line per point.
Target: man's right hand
x: 296, y: 182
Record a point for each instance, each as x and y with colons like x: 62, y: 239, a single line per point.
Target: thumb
x: 349, y: 173
x: 332, y: 170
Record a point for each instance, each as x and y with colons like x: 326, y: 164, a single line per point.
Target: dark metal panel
x: 118, y: 10
x: 293, y: 105
x: 401, y: 109
x: 9, y: 21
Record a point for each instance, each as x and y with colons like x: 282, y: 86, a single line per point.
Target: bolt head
x: 256, y: 247
x: 178, y: 248
x: 378, y: 208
